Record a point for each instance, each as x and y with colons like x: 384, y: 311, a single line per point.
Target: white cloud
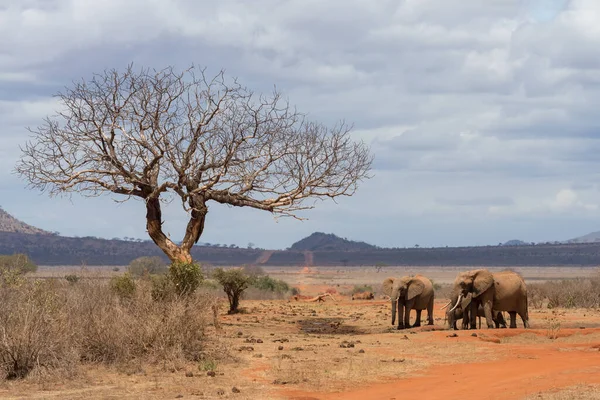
x: 480, y: 114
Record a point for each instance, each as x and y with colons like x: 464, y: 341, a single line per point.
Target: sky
x: 482, y: 115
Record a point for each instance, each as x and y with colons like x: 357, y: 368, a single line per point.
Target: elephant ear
x: 387, y: 286
x: 483, y: 281
x: 415, y: 288
x: 466, y: 301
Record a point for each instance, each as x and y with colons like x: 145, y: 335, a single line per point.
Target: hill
x: 320, y: 241
x: 8, y: 223
x: 515, y: 242
x: 593, y: 237
x: 319, y: 248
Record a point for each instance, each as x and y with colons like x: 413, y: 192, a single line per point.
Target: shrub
x: 295, y: 291
x: 52, y: 325
x: 123, y: 286
x: 566, y: 293
x: 210, y: 284
x: 18, y: 263
x: 72, y: 278
x: 361, y: 289
x: 163, y: 288
x: 234, y: 282
x: 147, y: 265
x: 35, y: 330
x: 186, y: 277
x: 266, y: 283
x: 112, y: 331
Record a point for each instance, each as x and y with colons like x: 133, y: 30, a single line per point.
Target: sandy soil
x: 344, y: 349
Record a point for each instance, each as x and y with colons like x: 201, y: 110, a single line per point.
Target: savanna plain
x: 285, y: 347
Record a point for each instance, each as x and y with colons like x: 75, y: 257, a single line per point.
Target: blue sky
x: 482, y: 115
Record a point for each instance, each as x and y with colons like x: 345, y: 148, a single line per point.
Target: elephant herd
x: 475, y: 293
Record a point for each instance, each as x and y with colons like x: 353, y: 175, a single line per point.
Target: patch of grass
x: 207, y: 365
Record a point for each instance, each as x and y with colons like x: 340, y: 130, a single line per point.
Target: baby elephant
x: 462, y: 312
x: 363, y: 296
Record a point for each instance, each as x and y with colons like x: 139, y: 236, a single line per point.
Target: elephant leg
x: 465, y: 319
x: 524, y: 317
x: 430, y: 312
x: 487, y: 309
x: 418, y: 320
x: 501, y: 320
x: 473, y: 314
x: 401, y: 324
x: 465, y: 315
x: 513, y: 319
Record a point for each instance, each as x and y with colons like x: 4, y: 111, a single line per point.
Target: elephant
x: 407, y: 293
x: 363, y: 296
x: 462, y: 312
x: 501, y: 291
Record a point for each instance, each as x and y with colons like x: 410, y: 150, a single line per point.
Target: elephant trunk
x: 394, y: 311
x: 457, y: 302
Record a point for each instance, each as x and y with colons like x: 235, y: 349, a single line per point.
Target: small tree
x: 17, y: 263
x: 153, y: 134
x: 234, y: 282
x: 147, y: 265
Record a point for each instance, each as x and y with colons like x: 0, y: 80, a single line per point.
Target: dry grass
x: 53, y: 324
x: 134, y: 348
x: 568, y: 293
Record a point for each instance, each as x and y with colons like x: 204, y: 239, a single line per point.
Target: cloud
x: 481, y: 115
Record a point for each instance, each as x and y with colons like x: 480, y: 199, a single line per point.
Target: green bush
x: 234, y: 282
x: 123, y: 286
x: 295, y: 291
x: 147, y: 265
x: 269, y: 284
x: 186, y: 277
x: 18, y: 263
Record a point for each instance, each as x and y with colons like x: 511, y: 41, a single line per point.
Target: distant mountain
x: 593, y: 237
x: 8, y: 223
x: 515, y: 242
x: 320, y: 241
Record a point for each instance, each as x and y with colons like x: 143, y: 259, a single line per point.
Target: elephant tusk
x: 457, y: 302
x: 446, y: 305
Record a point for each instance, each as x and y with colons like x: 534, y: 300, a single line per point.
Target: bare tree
x: 159, y: 135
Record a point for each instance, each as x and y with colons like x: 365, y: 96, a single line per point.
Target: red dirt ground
x: 523, y: 371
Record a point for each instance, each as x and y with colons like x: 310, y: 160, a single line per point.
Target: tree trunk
x: 154, y: 227
x: 195, y: 226
x: 234, y: 303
